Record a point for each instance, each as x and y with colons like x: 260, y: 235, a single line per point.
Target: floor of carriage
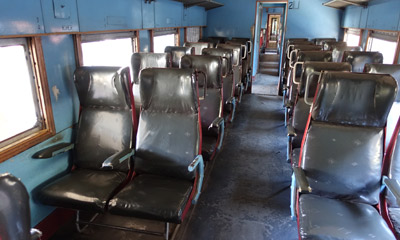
x: 246, y: 194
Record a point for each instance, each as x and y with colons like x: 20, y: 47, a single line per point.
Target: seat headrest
x: 392, y: 69
x: 222, y: 52
x: 330, y: 45
x: 358, y: 99
x: 210, y: 65
x: 176, y: 49
x: 320, y: 56
x: 198, y: 46
x: 302, y: 47
x: 141, y: 61
x: 358, y: 59
x: 175, y: 88
x: 320, y: 41
x: 237, y: 52
x: 337, y: 51
x: 311, y: 67
x: 103, y: 86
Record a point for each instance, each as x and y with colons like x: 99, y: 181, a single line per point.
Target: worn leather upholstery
x: 15, y: 215
x: 198, y: 46
x: 321, y: 41
x: 337, y: 52
x: 227, y: 80
x: 168, y: 140
x: 342, y: 157
x: 105, y: 128
x: 212, y: 105
x: 358, y: 59
x: 324, y: 218
x: 177, y: 53
x: 328, y: 46
x: 141, y: 61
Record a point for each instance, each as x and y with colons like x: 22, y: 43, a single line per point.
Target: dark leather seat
x: 168, y: 140
x: 358, y: 59
x: 211, y: 106
x: 237, y: 57
x: 198, y: 46
x: 328, y: 46
x: 103, y: 144
x: 227, y: 79
x: 321, y: 41
x: 15, y: 215
x: 246, y: 62
x: 337, y: 52
x: 177, y: 53
x: 341, y: 159
x: 394, y: 71
x: 141, y: 61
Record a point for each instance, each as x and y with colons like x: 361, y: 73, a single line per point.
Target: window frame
x: 153, y: 33
x: 78, y: 42
x: 27, y: 139
x: 368, y: 44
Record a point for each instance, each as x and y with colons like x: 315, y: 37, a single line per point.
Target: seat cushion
x: 324, y: 218
x: 82, y: 189
x: 208, y: 147
x: 394, y: 214
x: 153, y: 197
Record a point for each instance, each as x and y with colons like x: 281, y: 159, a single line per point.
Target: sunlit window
x: 387, y: 48
x: 25, y: 108
x: 352, y: 37
x: 160, y: 42
x: 18, y: 101
x: 112, y: 49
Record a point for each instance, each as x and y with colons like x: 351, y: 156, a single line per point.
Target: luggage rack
x: 341, y: 4
x: 207, y: 4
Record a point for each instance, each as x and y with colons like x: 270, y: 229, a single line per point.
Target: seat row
x: 140, y: 142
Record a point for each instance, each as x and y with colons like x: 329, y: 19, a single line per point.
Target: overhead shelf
x: 207, y: 4
x: 341, y: 4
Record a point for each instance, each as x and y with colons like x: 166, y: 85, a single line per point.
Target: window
x: 163, y: 38
x: 384, y: 42
x: 25, y: 113
x: 192, y: 34
x: 352, y: 37
x: 109, y: 49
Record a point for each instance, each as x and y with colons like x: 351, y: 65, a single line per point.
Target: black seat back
x: 212, y: 105
x: 198, y: 46
x: 237, y: 52
x: 321, y: 41
x: 105, y: 123
x: 177, y: 53
x: 168, y: 137
x: 358, y: 59
x: 343, y: 149
x: 141, y: 61
x: 328, y: 46
x: 393, y: 158
x: 337, y: 51
x: 15, y: 215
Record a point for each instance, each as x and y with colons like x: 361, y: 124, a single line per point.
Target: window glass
x: 352, y: 40
x: 18, y: 111
x: 192, y: 34
x: 387, y: 48
x: 162, y: 41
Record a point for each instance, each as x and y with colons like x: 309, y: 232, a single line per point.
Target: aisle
x: 247, y: 193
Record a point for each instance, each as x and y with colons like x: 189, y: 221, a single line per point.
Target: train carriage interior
x: 199, y: 119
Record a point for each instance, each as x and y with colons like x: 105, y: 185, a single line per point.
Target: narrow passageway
x: 247, y: 192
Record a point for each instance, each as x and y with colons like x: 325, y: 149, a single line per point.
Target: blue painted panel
x: 383, y: 14
x: 194, y: 16
x: 144, y: 38
x: 168, y: 13
x: 34, y: 172
x: 182, y: 37
x: 364, y: 18
x: 60, y: 16
x: 59, y: 57
x: 352, y: 17
x: 20, y: 17
x: 148, y: 14
x: 99, y: 15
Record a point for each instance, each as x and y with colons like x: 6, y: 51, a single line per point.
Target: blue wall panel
x: 383, y: 14
x: 148, y: 14
x: 364, y: 18
x: 144, y: 37
x: 100, y: 15
x: 168, y: 13
x: 60, y: 16
x: 194, y: 16
x: 182, y: 36
x: 20, y: 17
x: 351, y: 17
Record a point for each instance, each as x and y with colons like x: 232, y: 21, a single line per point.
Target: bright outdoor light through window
x: 160, y: 42
x: 17, y: 98
x: 352, y: 40
x: 115, y: 52
x: 387, y: 48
